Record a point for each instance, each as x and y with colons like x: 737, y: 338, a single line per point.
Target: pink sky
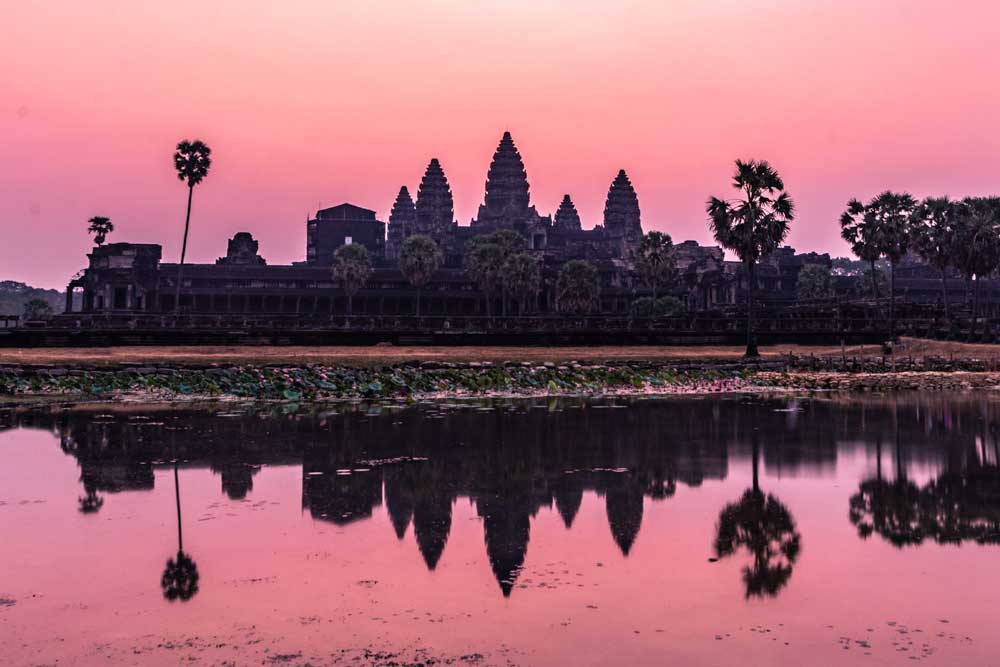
x: 318, y: 103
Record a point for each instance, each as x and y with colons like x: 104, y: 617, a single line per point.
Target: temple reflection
x: 934, y: 466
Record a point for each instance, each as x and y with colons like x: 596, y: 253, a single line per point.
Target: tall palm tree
x: 654, y: 260
x: 100, y: 227
x: 892, y: 214
x: 484, y: 264
x: 934, y: 237
x: 860, y: 230
x: 180, y: 577
x: 191, y: 160
x: 752, y: 225
x: 352, y: 267
x: 419, y: 258
x: 977, y: 242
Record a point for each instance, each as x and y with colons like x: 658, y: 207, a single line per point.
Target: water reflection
x: 512, y: 459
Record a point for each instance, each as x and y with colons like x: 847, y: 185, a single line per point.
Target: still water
x: 695, y: 531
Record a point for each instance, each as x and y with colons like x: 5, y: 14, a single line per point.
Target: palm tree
x: 484, y: 262
x: 977, y: 241
x: 860, y: 230
x: 577, y: 286
x: 892, y: 214
x: 180, y: 577
x: 752, y: 225
x: 419, y: 258
x: 100, y: 227
x: 522, y: 278
x: 191, y: 160
x: 934, y: 237
x: 654, y: 260
x: 762, y: 525
x: 352, y: 267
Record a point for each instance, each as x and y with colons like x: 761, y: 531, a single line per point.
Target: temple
x: 131, y: 278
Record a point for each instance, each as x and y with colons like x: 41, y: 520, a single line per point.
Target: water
x: 545, y: 532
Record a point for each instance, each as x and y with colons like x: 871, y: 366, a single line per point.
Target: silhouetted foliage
x: 351, y: 267
x: 654, y: 260
x: 192, y: 160
x: 180, y: 578
x: 752, y: 225
x: 100, y: 227
x: 522, y: 278
x: 934, y: 229
x: 419, y: 258
x: 577, y: 287
x: 37, y: 309
x: 814, y: 283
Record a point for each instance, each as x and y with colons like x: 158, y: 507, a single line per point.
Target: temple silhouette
x: 123, y: 278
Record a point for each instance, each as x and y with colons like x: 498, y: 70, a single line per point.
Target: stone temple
x: 131, y: 278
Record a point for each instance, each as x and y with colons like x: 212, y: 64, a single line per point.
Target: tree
x: 100, y: 227
x: 654, y: 260
x: 37, y: 309
x: 814, y: 283
x: 419, y: 258
x: 577, y: 287
x: 484, y: 264
x: 665, y: 306
x: 977, y: 241
x: 762, y: 525
x: 752, y: 225
x: 522, y: 278
x: 892, y: 214
x: 180, y: 577
x: 862, y: 233
x: 934, y: 235
x: 191, y: 160
x: 352, y: 267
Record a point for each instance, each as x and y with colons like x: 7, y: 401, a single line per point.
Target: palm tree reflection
x: 180, y: 577
x: 762, y: 525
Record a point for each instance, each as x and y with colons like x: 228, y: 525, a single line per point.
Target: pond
x: 696, y: 531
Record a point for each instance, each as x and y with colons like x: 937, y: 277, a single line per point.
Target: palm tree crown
x: 756, y: 223
x: 100, y: 227
x: 192, y: 160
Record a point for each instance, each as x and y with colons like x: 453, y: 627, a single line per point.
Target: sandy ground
x: 382, y: 355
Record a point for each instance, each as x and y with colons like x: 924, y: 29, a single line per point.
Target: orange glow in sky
x: 315, y: 103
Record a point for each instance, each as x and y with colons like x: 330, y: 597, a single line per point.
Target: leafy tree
x: 352, y: 267
x: 484, y: 264
x: 893, y: 215
x: 37, y: 309
x: 752, y: 225
x: 100, y: 227
x: 509, y: 241
x: 522, y: 278
x: 814, y: 283
x: 577, y: 286
x: 977, y: 241
x: 872, y: 284
x: 654, y: 260
x: 762, y: 525
x: 192, y: 160
x: 419, y: 258
x: 934, y: 228
x: 862, y: 233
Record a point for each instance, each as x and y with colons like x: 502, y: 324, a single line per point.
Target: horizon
x: 347, y: 104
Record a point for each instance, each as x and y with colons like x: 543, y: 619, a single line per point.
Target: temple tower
x: 435, y: 207
x: 567, y: 219
x: 507, y: 204
x: 621, y: 212
x: 402, y: 221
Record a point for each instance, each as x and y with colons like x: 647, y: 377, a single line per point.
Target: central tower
x: 507, y: 204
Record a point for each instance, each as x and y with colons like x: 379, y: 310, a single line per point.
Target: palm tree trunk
x: 184, y: 245
x: 751, y: 343
x: 418, y: 302
x: 975, y: 309
x: 177, y: 495
x: 350, y: 305
x: 875, y: 284
x: 892, y: 301
x: 944, y: 293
